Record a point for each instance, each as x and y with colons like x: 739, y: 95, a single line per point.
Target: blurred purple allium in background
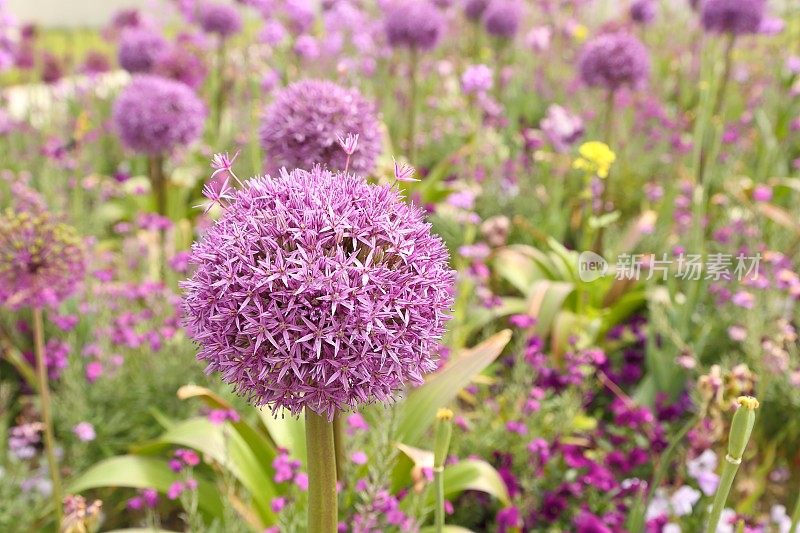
x: 502, y: 18
x: 153, y: 115
x: 414, y: 24
x: 139, y: 49
x: 95, y: 62
x: 477, y: 79
x: 317, y: 290
x: 42, y: 260
x: 302, y: 126
x: 181, y: 65
x: 473, y: 9
x: 643, y: 11
x: 732, y: 16
x: 221, y: 19
x: 612, y: 60
x: 561, y: 127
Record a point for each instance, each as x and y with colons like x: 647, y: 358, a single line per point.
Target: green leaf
x: 418, y: 411
x: 472, y: 474
x: 287, y: 431
x: 545, y: 301
x: 230, y: 450
x: 142, y: 473
x: 255, y: 437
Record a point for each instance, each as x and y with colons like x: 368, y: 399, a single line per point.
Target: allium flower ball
x: 473, y: 9
x: 139, y: 49
x: 153, y: 115
x: 221, y: 19
x: 302, y: 126
x: 181, y: 65
x: 42, y: 260
x: 612, y: 60
x: 732, y: 16
x: 318, y: 290
x: 414, y: 24
x: 502, y: 18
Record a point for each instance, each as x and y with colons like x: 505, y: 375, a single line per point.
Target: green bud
x: 742, y: 426
x: 444, y: 429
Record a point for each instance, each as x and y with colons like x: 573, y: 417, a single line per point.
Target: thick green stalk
x: 47, y: 417
x: 605, y: 194
x: 338, y: 443
x: 323, y: 514
x: 158, y: 182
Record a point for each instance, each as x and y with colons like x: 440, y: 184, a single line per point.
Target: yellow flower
x: 580, y: 32
x: 596, y: 158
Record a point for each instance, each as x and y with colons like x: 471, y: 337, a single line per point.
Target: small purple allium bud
x: 221, y: 19
x: 42, y: 261
x: 732, y: 16
x: 302, y: 126
x: 154, y: 115
x: 403, y: 172
x: 139, y: 49
x: 348, y: 143
x: 414, y: 24
x: 612, y: 60
x: 84, y: 431
x: 318, y: 290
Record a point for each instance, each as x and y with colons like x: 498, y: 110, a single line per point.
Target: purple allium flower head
x: 181, y: 65
x: 42, y: 260
x: 302, y: 127
x: 413, y: 24
x: 502, y: 17
x: 316, y: 289
x: 139, y: 49
x: 643, y: 11
x: 153, y: 115
x: 732, y: 16
x: 612, y: 60
x: 221, y: 19
x: 473, y: 9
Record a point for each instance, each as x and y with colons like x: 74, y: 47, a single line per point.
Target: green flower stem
x: 444, y: 430
x: 597, y: 247
x: 47, y: 416
x: 158, y: 182
x: 338, y: 443
x: 795, y: 516
x: 323, y: 515
x: 411, y: 129
x: 220, y: 94
x: 729, y: 469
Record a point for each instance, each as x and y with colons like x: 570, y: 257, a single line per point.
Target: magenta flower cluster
x: 732, y: 16
x: 613, y: 60
x: 415, y: 24
x: 154, y: 115
x: 42, y: 260
x: 302, y: 126
x: 317, y: 290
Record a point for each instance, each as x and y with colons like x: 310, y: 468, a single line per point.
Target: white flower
x: 683, y: 500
